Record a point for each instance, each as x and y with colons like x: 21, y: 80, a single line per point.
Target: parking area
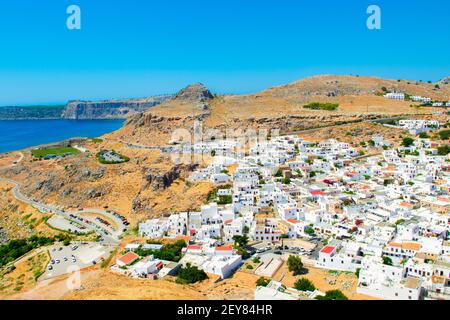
x: 64, y: 259
x: 265, y: 248
x: 62, y: 223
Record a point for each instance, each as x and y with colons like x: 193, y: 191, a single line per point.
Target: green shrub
x: 322, y: 106
x: 295, y: 265
x: 262, y: 282
x: 332, y: 295
x: 444, y: 135
x: 444, y: 150
x: 407, y: 142
x: 15, y: 249
x: 169, y: 252
x: 304, y: 284
x: 190, y: 274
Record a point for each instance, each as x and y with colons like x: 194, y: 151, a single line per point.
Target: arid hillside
x: 279, y: 107
x: 150, y: 184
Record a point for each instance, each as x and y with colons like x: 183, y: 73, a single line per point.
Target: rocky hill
x: 280, y: 107
x: 445, y: 80
x: 110, y: 109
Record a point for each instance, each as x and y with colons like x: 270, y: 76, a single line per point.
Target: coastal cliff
x: 110, y: 109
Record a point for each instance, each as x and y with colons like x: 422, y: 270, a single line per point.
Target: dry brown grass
x: 25, y: 275
x: 324, y: 280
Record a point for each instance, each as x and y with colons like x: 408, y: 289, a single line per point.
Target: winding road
x: 109, y: 237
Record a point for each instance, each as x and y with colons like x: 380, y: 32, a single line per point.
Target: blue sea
x: 20, y: 134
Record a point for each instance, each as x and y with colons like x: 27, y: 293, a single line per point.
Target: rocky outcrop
x: 3, y: 236
x: 195, y: 93
x: 162, y: 180
x: 445, y: 80
x: 92, y: 193
x: 110, y: 109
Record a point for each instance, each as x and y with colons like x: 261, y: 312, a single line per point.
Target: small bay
x: 20, y: 134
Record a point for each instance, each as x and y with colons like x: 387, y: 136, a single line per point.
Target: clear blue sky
x: 137, y: 48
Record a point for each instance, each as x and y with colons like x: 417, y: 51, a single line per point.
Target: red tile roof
x: 194, y: 248
x: 317, y: 193
x: 328, y: 249
x: 224, y: 248
x: 130, y: 257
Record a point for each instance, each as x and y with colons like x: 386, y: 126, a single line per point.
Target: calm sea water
x: 20, y: 134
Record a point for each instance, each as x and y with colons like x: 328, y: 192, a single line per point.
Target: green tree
x: 444, y: 135
x: 407, y: 142
x: 240, y: 241
x: 309, y: 230
x: 387, y: 261
x: 262, y: 282
x: 444, y: 150
x: 304, y: 284
x: 333, y: 295
x: 190, y: 274
x: 295, y: 265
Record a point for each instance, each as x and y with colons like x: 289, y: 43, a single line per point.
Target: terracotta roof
x: 194, y: 248
x: 130, y: 257
x: 292, y: 220
x: 224, y: 248
x: 317, y: 193
x: 443, y: 199
x: 406, y: 204
x: 406, y: 245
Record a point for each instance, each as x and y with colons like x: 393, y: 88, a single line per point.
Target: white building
x: 387, y: 282
x: 395, y: 96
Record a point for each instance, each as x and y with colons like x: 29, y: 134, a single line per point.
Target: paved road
x: 137, y: 146
x: 108, y: 237
x: 15, y: 162
x: 340, y: 125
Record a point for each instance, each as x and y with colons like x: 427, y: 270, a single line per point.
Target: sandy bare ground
x: 54, y: 289
x: 324, y: 280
